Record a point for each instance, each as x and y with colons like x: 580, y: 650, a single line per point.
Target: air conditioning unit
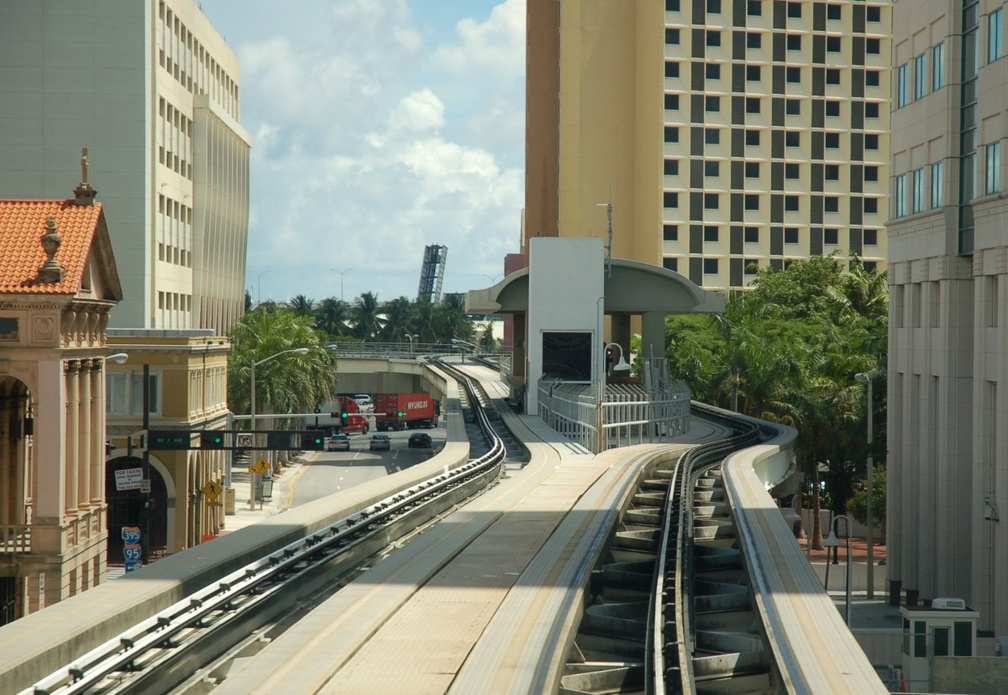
x: 948, y: 604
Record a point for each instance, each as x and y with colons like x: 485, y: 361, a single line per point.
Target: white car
x: 363, y: 400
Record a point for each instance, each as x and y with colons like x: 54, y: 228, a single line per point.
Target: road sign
x: 212, y: 490
x: 243, y: 440
x: 169, y: 440
x: 262, y: 466
x: 128, y: 478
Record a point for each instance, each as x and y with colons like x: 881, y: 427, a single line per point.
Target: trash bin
x: 264, y: 489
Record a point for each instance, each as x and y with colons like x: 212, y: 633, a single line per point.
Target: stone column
x: 97, y: 477
x: 72, y: 376
x: 85, y: 433
x: 50, y: 443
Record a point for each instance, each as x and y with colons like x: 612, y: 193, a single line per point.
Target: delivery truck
x: 400, y: 411
x: 350, y: 417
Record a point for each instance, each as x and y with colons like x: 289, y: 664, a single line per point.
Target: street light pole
x: 259, y: 286
x: 341, y: 274
x: 411, y: 336
x: 252, y: 419
x: 861, y: 376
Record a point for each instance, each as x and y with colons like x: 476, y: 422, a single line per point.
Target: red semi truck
x: 399, y: 411
x: 350, y: 417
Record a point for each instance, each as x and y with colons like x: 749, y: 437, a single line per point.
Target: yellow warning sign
x: 212, y: 490
x: 261, y: 466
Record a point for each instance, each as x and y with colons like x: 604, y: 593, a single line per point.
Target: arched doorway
x: 133, y: 507
x: 17, y: 426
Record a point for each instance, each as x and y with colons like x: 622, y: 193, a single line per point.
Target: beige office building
x: 152, y: 91
x: 725, y: 134
x: 948, y: 333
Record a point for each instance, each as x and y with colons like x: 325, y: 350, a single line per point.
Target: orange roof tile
x: 22, y: 224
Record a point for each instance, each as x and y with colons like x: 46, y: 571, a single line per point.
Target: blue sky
x: 378, y: 127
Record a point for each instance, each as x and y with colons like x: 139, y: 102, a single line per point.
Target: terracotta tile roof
x: 22, y: 224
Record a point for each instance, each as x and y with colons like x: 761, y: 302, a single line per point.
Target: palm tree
x: 366, y: 317
x: 331, y: 316
x: 301, y: 305
x: 451, y: 321
x: 398, y: 320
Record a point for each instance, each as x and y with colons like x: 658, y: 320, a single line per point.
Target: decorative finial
x: 51, y: 272
x: 84, y: 193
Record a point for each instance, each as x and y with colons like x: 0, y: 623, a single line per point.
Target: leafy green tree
x: 398, y: 320
x: 366, y: 318
x: 302, y: 305
x: 857, y: 505
x: 290, y: 383
x: 331, y: 316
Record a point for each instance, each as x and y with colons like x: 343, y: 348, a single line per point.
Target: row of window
x: 920, y: 76
x: 792, y: 138
x: 124, y: 391
x: 792, y: 74
x: 751, y: 266
x: 792, y: 170
x: 751, y: 235
x: 754, y: 8
x: 918, y: 194
x: 793, y: 42
x: 751, y: 202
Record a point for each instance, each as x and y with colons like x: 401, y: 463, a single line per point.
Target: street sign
x: 212, y: 490
x: 243, y: 440
x: 169, y: 440
x: 262, y: 466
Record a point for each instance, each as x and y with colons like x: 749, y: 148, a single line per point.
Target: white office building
x: 151, y: 90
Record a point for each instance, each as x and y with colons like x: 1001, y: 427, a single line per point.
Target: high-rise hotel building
x: 726, y: 134
x: 948, y: 324
x: 152, y: 91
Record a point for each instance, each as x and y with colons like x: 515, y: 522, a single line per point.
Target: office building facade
x: 948, y: 332
x: 152, y: 91
x: 726, y: 135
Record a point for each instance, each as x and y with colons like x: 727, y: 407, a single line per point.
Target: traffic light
x: 312, y: 441
x: 400, y: 414
x: 344, y: 416
x: 211, y: 439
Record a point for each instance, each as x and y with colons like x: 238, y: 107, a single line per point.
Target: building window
x: 713, y: 71
x: 671, y: 102
x: 754, y: 8
x: 751, y: 235
x: 832, y: 107
x: 754, y: 40
x: 710, y: 234
x: 871, y: 109
x: 671, y: 69
x: 902, y: 87
x: 710, y: 201
x: 791, y: 203
x: 124, y: 393
x: 899, y: 196
x: 752, y: 73
x: 871, y: 78
x: 833, y: 44
x: 712, y: 168
x: 671, y: 167
x: 793, y: 75
x: 794, y: 10
x: 752, y: 137
x: 714, y: 6
x: 831, y: 172
x: 871, y: 205
x: 671, y: 5
x: 792, y: 107
x: 791, y: 170
x: 937, y: 182
x: 752, y: 170
x: 871, y: 173
x: 794, y: 42
x: 832, y: 140
x: 713, y: 38
x: 752, y: 201
x: 938, y: 67
x: 873, y: 13
x: 710, y: 266
x: 712, y: 104
x: 992, y: 175
x: 712, y: 136
x: 995, y: 35
x: 670, y: 232
x: 871, y: 141
x: 917, y: 200
x: 752, y: 105
x: 751, y: 266
x: 832, y: 76
x: 671, y: 133
x: 790, y: 235
x: 792, y: 138
x: 671, y: 200
x: 670, y: 264
x: 831, y: 203
x: 873, y: 46
x: 833, y: 12
x: 920, y: 76
x: 870, y: 237
x: 831, y: 236
x: 671, y: 36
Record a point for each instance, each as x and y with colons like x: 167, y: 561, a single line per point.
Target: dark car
x: 380, y: 442
x: 338, y: 442
x: 419, y: 440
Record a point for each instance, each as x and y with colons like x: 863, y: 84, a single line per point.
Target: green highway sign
x: 169, y: 440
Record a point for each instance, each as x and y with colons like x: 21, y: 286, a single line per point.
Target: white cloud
x: 419, y: 112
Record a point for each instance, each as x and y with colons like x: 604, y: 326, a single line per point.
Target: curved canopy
x: 633, y: 288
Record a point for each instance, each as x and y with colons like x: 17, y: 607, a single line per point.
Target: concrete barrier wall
x: 982, y: 675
